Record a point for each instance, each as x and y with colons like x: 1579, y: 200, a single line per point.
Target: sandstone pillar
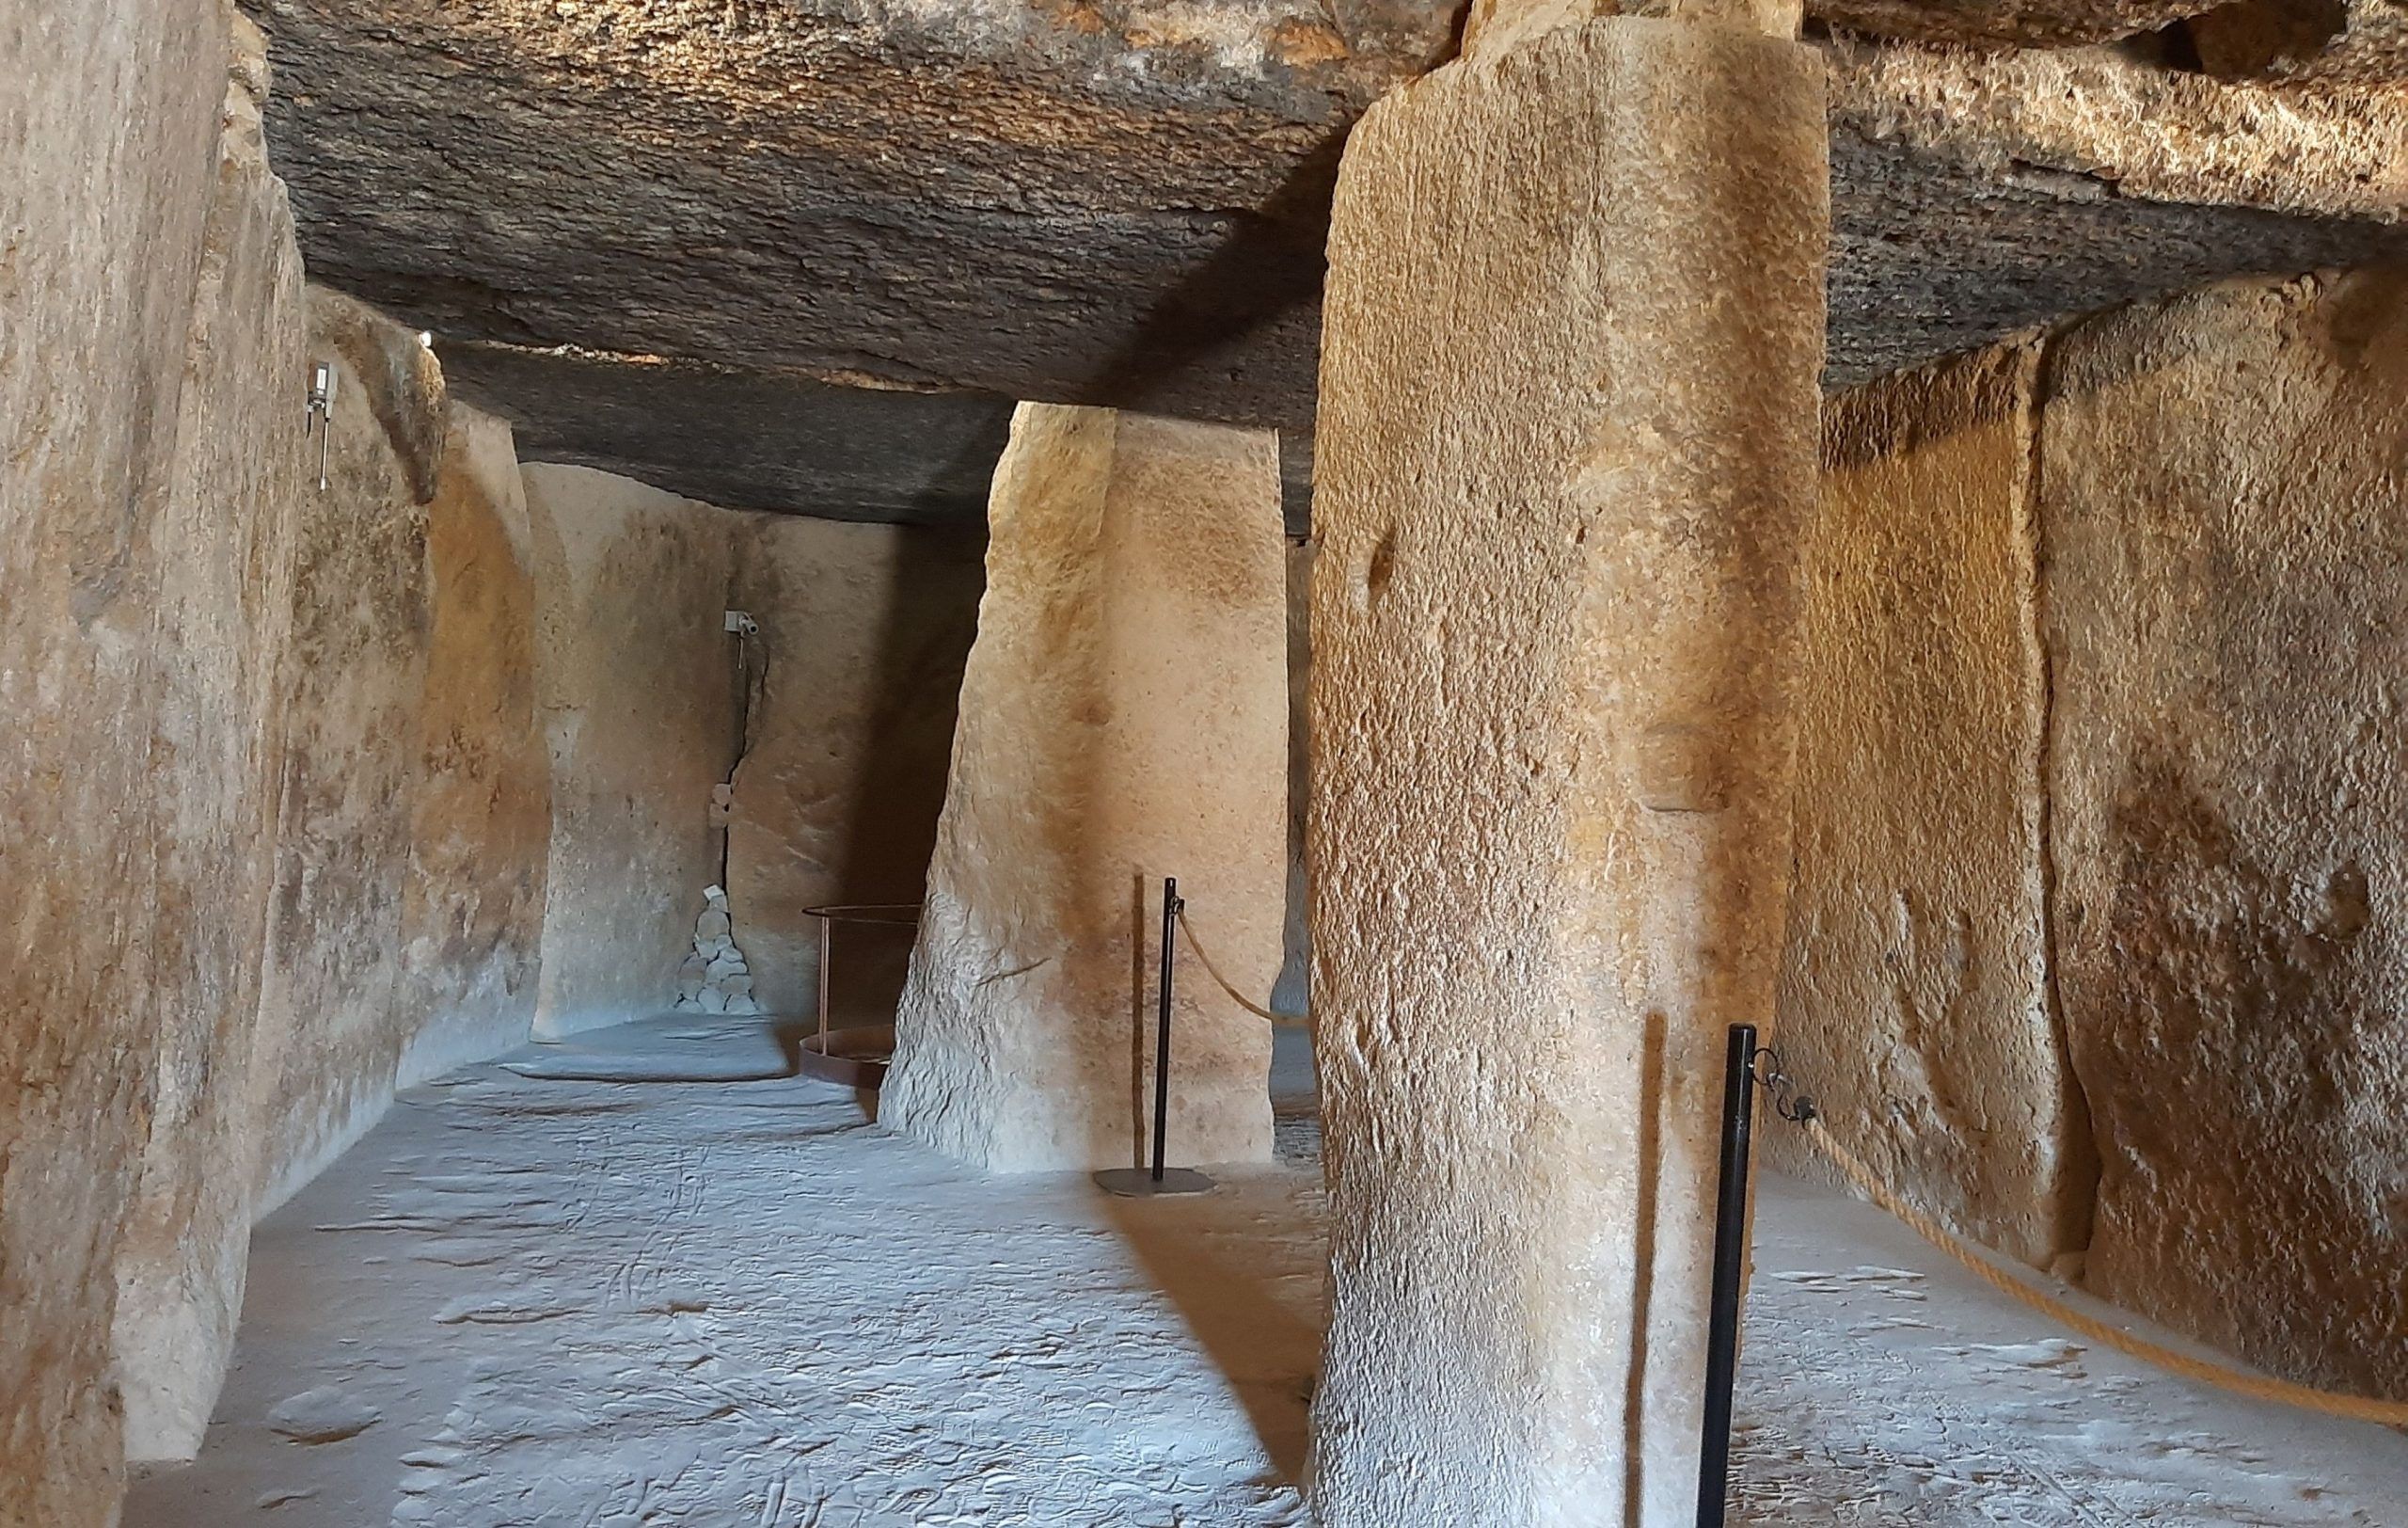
x: 1567, y: 442
x: 1123, y: 718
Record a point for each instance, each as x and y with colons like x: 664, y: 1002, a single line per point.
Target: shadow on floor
x: 1254, y: 1299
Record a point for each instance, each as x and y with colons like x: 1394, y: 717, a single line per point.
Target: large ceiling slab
x: 731, y: 246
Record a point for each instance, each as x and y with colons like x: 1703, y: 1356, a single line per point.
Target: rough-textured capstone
x: 1915, y: 1003
x: 1125, y: 204
x: 225, y: 607
x: 1123, y: 719
x: 864, y: 632
x: 635, y: 687
x: 2221, y: 502
x: 1559, y: 489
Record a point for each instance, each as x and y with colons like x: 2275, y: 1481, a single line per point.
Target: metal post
x: 1162, y: 1032
x: 827, y: 941
x: 1149, y: 1182
x: 1730, y: 1266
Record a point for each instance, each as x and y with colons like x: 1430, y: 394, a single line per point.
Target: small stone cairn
x: 714, y: 978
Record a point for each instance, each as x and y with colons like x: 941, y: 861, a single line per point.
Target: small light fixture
x: 322, y: 413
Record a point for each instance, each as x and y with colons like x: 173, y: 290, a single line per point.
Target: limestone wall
x: 226, y: 540
x: 864, y: 632
x: 330, y: 1022
x: 108, y: 170
x: 2226, y: 520
x: 1914, y: 996
x: 2093, y: 946
x: 636, y: 691
x: 472, y: 892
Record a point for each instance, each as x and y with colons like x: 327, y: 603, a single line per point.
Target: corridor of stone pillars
x: 1562, y: 530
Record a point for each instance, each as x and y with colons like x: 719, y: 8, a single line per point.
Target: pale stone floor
x: 650, y: 1279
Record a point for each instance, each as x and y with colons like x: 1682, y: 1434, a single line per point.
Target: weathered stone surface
x: 1973, y: 196
x: 224, y: 609
x: 864, y: 632
x: 2220, y: 500
x: 1915, y: 1003
x: 331, y: 1024
x: 108, y: 160
x: 746, y: 439
x: 636, y: 688
x: 1118, y: 205
x: 472, y: 901
x: 1123, y: 719
x: 1057, y: 201
x: 2036, y: 24
x: 1561, y: 496
x: 2321, y: 42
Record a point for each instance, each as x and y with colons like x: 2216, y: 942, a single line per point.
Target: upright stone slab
x: 331, y: 1017
x: 1915, y: 999
x: 2221, y: 499
x: 1123, y: 718
x: 1567, y: 442
x: 635, y: 686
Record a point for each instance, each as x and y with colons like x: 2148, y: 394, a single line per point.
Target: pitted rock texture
x: 1560, y: 501
x: 2324, y: 43
x: 1123, y: 719
x: 1054, y: 200
x: 111, y: 150
x: 330, y: 1026
x: 864, y: 629
x: 1915, y: 1004
x: 721, y: 205
x: 225, y: 543
x: 2220, y: 501
x: 747, y: 439
x: 636, y: 686
x: 472, y: 901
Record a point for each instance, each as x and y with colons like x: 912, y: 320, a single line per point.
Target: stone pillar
x: 1567, y: 444
x: 1123, y: 718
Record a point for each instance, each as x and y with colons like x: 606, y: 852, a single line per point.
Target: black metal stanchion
x: 1729, y: 1266
x: 1159, y: 1179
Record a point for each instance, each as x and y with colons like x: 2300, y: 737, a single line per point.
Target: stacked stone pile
x: 714, y: 978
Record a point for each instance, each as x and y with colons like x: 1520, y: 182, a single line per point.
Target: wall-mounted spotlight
x: 322, y: 413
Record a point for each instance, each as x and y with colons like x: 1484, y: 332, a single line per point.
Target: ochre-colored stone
x: 225, y: 606
x: 2220, y: 499
x: 331, y: 1024
x: 1567, y: 449
x: 108, y: 169
x: 864, y: 632
x: 473, y: 904
x: 1123, y: 719
x: 1915, y: 1004
x: 635, y: 687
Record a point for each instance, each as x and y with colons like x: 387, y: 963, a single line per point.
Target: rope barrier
x: 1223, y: 983
x: 2257, y: 1387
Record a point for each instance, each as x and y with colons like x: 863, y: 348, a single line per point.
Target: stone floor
x: 650, y: 1277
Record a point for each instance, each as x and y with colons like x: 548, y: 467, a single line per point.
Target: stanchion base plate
x: 1138, y: 1183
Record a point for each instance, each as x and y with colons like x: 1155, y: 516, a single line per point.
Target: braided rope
x: 1223, y: 983
x: 2257, y: 1387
